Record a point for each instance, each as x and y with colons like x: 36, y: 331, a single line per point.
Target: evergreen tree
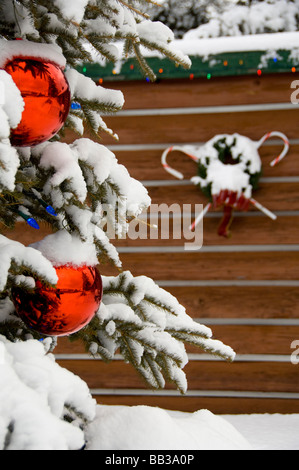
x: 204, y: 18
x: 78, y: 182
x: 180, y: 17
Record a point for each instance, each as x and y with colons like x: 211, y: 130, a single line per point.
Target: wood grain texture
x: 222, y: 405
x: 245, y: 230
x: 258, y: 302
x: 211, y: 266
x: 211, y: 375
x: 274, y: 196
x: 145, y: 165
x: 255, y: 339
x: 260, y: 230
x: 274, y: 88
x: 200, y: 128
x: 241, y: 302
x: 25, y: 234
x: 244, y: 339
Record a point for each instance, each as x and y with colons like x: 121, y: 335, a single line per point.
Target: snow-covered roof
x: 232, y: 55
x: 254, y: 42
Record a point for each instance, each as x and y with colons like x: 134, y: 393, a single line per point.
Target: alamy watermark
x: 295, y: 94
x: 295, y: 343
x: 161, y: 222
x: 295, y: 354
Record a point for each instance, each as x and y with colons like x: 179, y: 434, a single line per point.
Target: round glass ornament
x: 65, y: 309
x: 46, y: 94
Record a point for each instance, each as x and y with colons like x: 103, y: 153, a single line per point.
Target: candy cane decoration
x: 200, y: 217
x: 286, y: 145
x: 168, y: 168
x: 263, y: 209
x: 255, y: 203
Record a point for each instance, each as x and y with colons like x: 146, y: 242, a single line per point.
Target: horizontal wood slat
x: 215, y: 405
x: 65, y: 346
x: 211, y: 303
x: 274, y: 196
x: 200, y: 128
x: 208, y: 266
x: 251, y: 376
x: 219, y: 91
x: 257, y: 230
x: 244, y: 339
x: 250, y: 339
x: 145, y: 165
x: 254, y: 230
x: 25, y: 234
x: 259, y: 319
x: 239, y: 302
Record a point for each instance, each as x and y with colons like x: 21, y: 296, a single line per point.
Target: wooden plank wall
x: 246, y: 288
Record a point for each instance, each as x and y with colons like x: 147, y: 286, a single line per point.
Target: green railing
x: 224, y: 64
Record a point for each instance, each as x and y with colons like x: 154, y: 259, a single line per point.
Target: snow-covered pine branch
x: 93, y: 100
x: 149, y: 327
x: 42, y: 405
x: 20, y: 264
x: 11, y: 108
x: 207, y: 19
x: 86, y: 189
x: 83, y: 27
x: 86, y: 185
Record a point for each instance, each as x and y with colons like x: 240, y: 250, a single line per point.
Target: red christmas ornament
x: 65, y: 309
x: 47, y: 98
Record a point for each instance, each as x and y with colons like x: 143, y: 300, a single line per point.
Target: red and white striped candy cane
x: 180, y: 176
x: 168, y: 168
x: 286, y: 148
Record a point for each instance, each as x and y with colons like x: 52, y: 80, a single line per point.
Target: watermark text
x: 295, y: 94
x: 162, y: 222
x: 295, y: 354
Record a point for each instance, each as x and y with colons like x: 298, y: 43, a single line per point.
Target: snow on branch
x: 254, y: 18
x: 85, y: 166
x: 23, y: 259
x: 79, y: 32
x: 149, y: 327
x: 11, y: 49
x: 93, y: 99
x: 89, y: 190
x: 86, y: 31
x: 11, y: 108
x: 157, y: 36
x: 42, y: 405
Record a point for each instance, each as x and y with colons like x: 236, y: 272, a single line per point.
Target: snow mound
x: 35, y: 395
x: 268, y: 431
x: 150, y: 428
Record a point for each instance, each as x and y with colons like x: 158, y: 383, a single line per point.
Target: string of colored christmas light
x: 75, y: 106
x: 28, y: 219
x: 192, y: 74
x: 47, y: 206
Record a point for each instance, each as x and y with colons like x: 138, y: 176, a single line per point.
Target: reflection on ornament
x: 65, y: 309
x: 47, y: 98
